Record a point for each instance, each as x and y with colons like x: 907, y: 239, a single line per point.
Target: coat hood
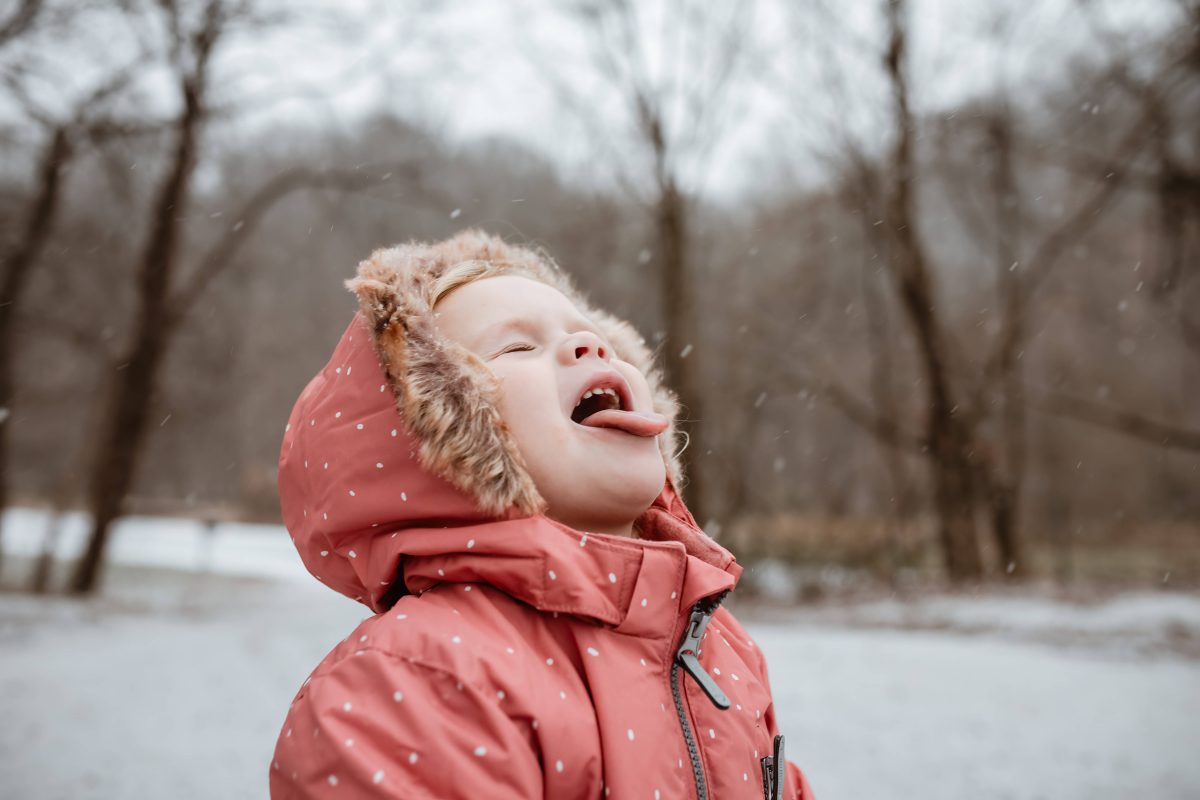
x: 396, y: 470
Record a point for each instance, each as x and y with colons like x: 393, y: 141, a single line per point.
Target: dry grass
x: 1100, y: 554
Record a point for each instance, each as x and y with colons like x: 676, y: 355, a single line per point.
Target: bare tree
x: 969, y: 465
x: 1001, y: 469
x: 949, y: 440
x: 885, y: 199
x: 63, y: 134
x: 17, y: 265
x: 191, y: 46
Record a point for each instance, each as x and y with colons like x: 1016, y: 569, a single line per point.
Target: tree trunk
x: 676, y: 298
x: 17, y: 268
x: 1005, y: 484
x: 131, y: 396
x: 954, y: 495
x: 949, y: 441
x: 883, y: 398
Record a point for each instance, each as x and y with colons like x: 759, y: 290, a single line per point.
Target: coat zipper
x: 687, y: 656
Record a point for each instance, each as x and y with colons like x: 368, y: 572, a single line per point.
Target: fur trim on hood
x: 445, y: 393
x: 395, y: 448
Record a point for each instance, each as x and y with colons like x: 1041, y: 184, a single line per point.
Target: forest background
x: 925, y: 276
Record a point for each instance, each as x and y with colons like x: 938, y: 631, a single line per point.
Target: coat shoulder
x: 470, y: 631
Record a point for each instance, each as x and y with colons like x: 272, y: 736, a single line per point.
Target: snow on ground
x: 174, y: 684
x: 935, y: 715
x: 231, y: 548
x: 1132, y: 623
x: 177, y: 695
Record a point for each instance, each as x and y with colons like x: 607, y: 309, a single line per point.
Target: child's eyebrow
x: 492, y: 332
x: 522, y: 325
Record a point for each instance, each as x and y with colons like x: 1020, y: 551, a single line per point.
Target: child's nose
x: 585, y: 343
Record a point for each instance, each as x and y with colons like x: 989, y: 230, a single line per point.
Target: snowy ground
x: 174, y: 684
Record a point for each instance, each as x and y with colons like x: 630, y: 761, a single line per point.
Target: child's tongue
x: 639, y: 423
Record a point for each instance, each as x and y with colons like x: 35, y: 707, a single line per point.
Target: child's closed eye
x: 515, y: 348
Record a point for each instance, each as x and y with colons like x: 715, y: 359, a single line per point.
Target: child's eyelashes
x: 521, y: 347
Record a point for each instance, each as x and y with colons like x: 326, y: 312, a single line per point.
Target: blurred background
x: 925, y: 274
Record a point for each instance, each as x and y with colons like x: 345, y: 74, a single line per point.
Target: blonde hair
x: 473, y: 255
x: 461, y: 274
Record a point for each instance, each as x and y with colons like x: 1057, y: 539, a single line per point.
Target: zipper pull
x: 688, y: 657
x: 774, y: 772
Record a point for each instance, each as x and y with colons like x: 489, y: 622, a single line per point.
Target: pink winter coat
x: 511, y: 656
x: 528, y: 660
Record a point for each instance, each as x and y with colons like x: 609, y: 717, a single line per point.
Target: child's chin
x: 634, y: 481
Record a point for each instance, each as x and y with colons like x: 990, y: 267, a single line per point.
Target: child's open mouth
x: 604, y: 407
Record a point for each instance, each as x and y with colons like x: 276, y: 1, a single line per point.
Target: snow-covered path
x: 177, y: 690
x: 938, y: 715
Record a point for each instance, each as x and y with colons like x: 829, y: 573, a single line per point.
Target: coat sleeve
x: 797, y: 783
x: 376, y: 725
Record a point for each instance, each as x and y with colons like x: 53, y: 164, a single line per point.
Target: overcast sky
x: 476, y: 69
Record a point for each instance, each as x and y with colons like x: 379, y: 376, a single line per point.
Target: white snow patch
x: 231, y: 548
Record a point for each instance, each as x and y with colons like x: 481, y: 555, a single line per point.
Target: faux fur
x: 445, y: 394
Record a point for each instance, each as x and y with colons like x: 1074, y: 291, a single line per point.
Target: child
x: 490, y: 465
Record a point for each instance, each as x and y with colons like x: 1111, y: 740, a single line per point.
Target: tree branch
x: 219, y: 258
x: 1115, y: 419
x: 857, y: 411
x: 20, y: 21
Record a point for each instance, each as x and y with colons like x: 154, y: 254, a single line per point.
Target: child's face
x: 546, y: 354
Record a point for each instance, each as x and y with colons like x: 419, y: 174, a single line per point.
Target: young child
x: 490, y: 465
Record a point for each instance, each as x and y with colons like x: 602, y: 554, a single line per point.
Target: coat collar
x: 557, y: 569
